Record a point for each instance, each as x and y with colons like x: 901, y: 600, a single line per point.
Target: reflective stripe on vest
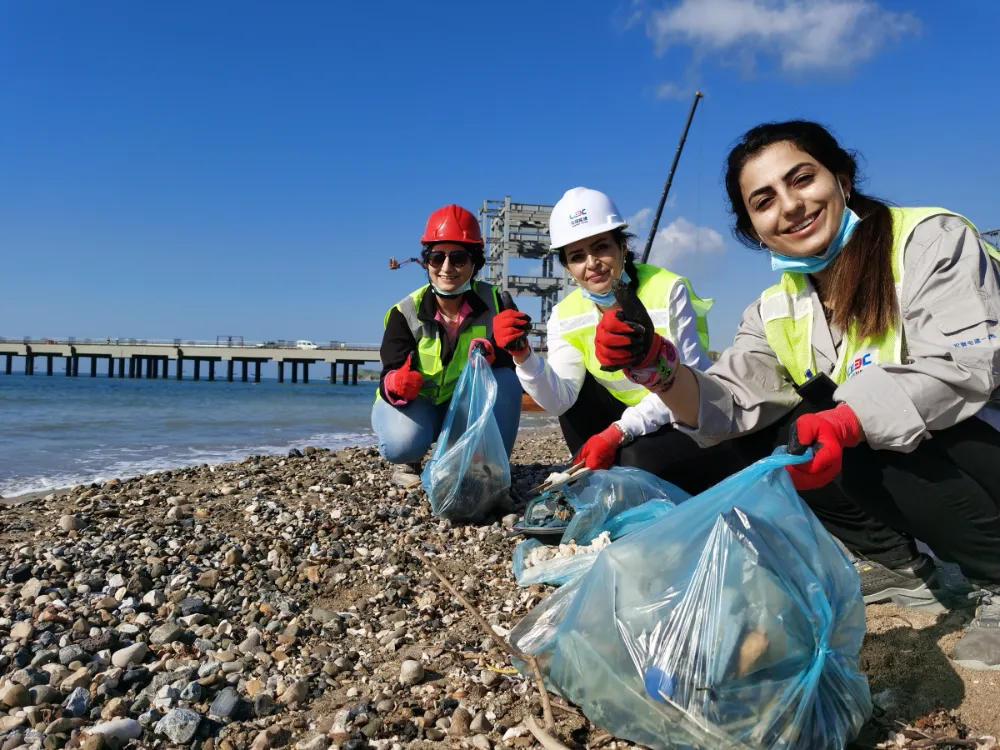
x: 578, y: 318
x: 439, y: 379
x: 786, y: 310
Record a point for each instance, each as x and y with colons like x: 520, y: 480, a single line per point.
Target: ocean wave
x: 102, y: 465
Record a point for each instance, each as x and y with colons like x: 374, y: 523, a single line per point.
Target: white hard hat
x: 582, y: 213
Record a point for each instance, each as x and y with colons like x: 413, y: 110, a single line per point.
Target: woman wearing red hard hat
x: 606, y: 419
x: 427, y: 339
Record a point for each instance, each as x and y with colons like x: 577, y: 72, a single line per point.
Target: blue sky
x: 196, y: 169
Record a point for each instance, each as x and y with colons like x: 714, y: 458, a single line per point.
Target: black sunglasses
x: 458, y: 258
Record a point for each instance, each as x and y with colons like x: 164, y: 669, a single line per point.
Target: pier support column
x: 69, y: 366
x: 245, y: 366
x: 131, y: 368
x: 346, y: 365
x: 111, y: 367
x: 333, y: 373
x: 295, y: 372
x: 156, y: 367
x: 305, y: 373
x: 281, y: 372
x: 211, y: 369
x: 10, y: 364
x: 197, y: 369
x: 354, y: 373
x: 76, y: 365
x: 180, y: 368
x: 48, y: 365
x: 149, y: 367
x: 121, y: 368
x: 256, y: 371
x: 93, y: 366
x: 229, y: 371
x: 29, y: 364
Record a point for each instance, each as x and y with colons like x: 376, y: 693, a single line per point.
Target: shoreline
x: 538, y: 422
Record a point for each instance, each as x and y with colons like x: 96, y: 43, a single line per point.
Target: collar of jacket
x: 428, y: 305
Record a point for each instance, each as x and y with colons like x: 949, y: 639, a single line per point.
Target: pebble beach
x: 273, y: 602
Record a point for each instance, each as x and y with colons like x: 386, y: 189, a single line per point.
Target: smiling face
x: 795, y: 203
x: 454, y: 270
x: 595, y: 262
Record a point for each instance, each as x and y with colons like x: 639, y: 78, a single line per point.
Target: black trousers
x: 667, y: 453
x: 945, y: 493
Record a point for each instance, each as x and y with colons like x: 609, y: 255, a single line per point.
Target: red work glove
x: 404, y: 384
x: 509, y: 329
x: 828, y: 432
x: 488, y: 352
x: 599, y: 452
x: 620, y: 343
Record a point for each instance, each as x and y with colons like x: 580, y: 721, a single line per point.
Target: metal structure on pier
x: 521, y: 231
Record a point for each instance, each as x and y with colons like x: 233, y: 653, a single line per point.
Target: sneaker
x: 979, y: 648
x: 916, y: 585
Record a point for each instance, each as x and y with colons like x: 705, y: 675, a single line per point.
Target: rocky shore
x: 267, y: 603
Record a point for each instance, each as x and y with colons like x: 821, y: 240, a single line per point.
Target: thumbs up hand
x: 510, y: 328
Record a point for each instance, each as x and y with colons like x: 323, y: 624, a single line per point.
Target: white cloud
x: 668, y: 90
x: 640, y: 220
x: 805, y: 35
x: 680, y: 238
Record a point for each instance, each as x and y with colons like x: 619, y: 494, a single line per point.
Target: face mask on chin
x: 815, y: 263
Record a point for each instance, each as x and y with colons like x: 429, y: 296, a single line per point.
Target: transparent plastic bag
x: 603, y: 499
x: 604, y: 495
x: 468, y: 475
x: 734, y: 622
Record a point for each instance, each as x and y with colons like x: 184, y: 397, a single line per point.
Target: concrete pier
x: 134, y: 356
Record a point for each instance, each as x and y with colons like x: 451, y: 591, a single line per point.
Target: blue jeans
x: 406, y: 432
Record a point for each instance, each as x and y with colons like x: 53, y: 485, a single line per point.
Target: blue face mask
x: 604, y: 300
x: 814, y: 263
x: 457, y: 293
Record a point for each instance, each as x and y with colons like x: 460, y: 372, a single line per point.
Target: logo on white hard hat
x: 578, y: 217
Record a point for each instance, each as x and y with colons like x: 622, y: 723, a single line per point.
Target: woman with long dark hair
x: 878, y: 347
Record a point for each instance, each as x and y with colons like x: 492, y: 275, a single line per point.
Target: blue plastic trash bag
x: 733, y: 622
x: 617, y: 501
x: 602, y: 495
x: 468, y: 475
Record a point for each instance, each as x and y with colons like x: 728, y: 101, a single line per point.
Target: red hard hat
x: 452, y: 224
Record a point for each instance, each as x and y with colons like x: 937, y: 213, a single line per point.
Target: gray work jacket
x: 951, y: 368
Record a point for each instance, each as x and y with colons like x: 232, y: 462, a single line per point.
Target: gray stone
x: 31, y: 589
x: 133, y: 654
x: 62, y: 726
x: 509, y: 521
x: 117, y: 581
x: 271, y: 737
x: 14, y: 739
x: 191, y: 692
x: 71, y: 654
x: 44, y: 695
x: 166, y: 697
x: 435, y: 735
x: 481, y: 742
x: 319, y: 742
x: 225, y: 704
x: 385, y: 706
x: 297, y: 692
x: 480, y: 724
x: 411, y: 672
x: 70, y: 523
x: 193, y: 605
x: 490, y: 678
x: 251, y: 643
x: 179, y: 725
x: 166, y: 633
x: 121, y: 730
x: 263, y: 705
x: 323, y: 616
x: 78, y: 703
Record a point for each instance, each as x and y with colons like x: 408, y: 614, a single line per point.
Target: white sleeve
x: 684, y: 329
x: 555, y: 382
x: 651, y: 414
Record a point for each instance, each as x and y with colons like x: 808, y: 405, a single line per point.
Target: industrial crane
x: 395, y: 264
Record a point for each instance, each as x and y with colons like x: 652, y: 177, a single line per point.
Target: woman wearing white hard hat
x: 605, y: 418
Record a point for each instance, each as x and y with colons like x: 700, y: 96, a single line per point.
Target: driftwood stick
x: 529, y: 659
x: 545, y: 739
